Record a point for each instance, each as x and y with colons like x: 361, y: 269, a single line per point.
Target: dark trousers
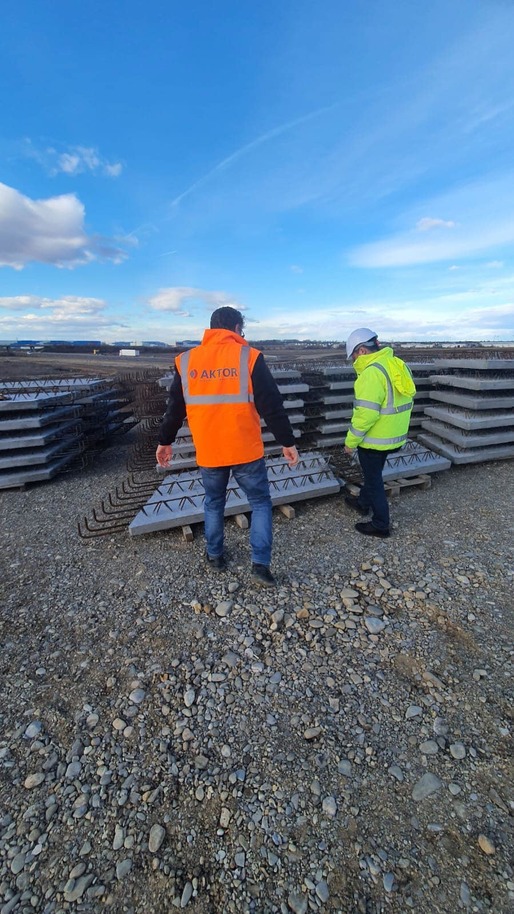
x: 372, y: 494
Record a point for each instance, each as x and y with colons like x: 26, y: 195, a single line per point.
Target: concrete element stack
x: 45, y: 424
x: 473, y: 419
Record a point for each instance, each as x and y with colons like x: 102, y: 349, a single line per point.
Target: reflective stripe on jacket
x: 217, y: 385
x: 384, y: 392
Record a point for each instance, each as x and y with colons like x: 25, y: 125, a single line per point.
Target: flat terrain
x: 172, y: 737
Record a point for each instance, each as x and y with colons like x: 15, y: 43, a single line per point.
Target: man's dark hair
x: 226, y: 319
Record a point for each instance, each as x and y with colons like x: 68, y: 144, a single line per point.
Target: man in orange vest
x: 224, y: 386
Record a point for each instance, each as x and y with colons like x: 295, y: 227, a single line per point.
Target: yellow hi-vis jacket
x: 218, y: 393
x: 384, y: 392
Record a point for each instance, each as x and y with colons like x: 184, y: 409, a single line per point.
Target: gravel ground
x: 173, y: 737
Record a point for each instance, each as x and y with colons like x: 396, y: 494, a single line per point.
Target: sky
x: 321, y: 165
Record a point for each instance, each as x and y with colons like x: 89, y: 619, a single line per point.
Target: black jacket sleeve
x: 175, y: 412
x: 269, y: 404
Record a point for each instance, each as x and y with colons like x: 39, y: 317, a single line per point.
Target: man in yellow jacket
x: 224, y: 386
x: 384, y: 392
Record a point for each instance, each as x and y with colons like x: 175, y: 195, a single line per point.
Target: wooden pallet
x: 241, y: 521
x: 395, y: 486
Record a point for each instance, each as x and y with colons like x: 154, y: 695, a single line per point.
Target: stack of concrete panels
x: 40, y: 434
x: 103, y: 406
x: 45, y: 423
x: 330, y: 404
x: 422, y: 374
x: 471, y: 418
x: 179, y: 499
x: 293, y: 389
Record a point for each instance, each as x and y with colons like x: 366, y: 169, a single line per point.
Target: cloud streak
x: 249, y: 147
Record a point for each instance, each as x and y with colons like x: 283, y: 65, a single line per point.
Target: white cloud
x: 295, y: 268
x: 427, y: 223
x: 172, y: 299
x: 67, y: 316
x: 47, y: 231
x: 74, y: 160
x: 484, y: 223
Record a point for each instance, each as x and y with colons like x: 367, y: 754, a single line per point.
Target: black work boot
x: 370, y: 530
x: 353, y: 502
x: 216, y: 561
x: 262, y: 576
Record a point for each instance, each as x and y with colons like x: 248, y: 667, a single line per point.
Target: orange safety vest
x: 218, y: 393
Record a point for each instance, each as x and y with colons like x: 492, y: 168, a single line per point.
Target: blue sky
x: 320, y: 164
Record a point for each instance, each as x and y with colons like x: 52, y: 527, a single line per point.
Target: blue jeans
x: 253, y: 480
x: 372, y: 494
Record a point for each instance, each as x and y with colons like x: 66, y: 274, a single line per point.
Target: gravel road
x: 172, y: 737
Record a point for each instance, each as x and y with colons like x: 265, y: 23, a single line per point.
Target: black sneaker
x: 370, y: 530
x: 216, y: 561
x: 262, y: 576
x: 353, y: 502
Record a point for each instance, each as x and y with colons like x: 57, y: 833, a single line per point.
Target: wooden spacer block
x: 187, y: 533
x: 287, y: 510
x: 241, y: 521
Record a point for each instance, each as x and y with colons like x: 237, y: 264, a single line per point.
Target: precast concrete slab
x: 470, y: 420
x: 335, y: 414
x: 337, y: 400
x: 24, y: 402
x: 340, y: 385
x: 476, y: 364
x: 34, y: 456
x: 21, y: 421
x: 470, y: 401
x: 467, y: 455
x: 285, y: 374
x: 15, y: 479
x: 178, y: 503
x: 464, y: 439
x: 268, y: 436
x: 53, y: 384
x: 332, y: 428
x: 328, y: 441
x: 337, y: 371
x: 412, y: 460
x: 471, y: 382
x: 293, y: 403
x: 293, y: 388
x: 34, y: 438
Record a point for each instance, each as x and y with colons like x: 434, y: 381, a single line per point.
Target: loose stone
x: 156, y: 838
x: 426, y: 786
x: 486, y: 845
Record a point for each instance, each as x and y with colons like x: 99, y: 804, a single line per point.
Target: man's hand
x: 349, y: 450
x: 163, y: 455
x: 291, y: 455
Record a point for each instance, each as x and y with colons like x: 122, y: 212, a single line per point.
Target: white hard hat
x: 359, y: 338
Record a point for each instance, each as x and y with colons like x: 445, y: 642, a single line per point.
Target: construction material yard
x: 172, y: 737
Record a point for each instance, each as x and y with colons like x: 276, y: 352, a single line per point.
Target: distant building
x: 187, y: 344
x: 155, y: 344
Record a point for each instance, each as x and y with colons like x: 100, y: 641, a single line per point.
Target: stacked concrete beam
x: 422, y: 374
x: 320, y: 402
x: 179, y: 499
x: 40, y: 434
x: 471, y: 416
x: 45, y: 423
x: 330, y: 404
